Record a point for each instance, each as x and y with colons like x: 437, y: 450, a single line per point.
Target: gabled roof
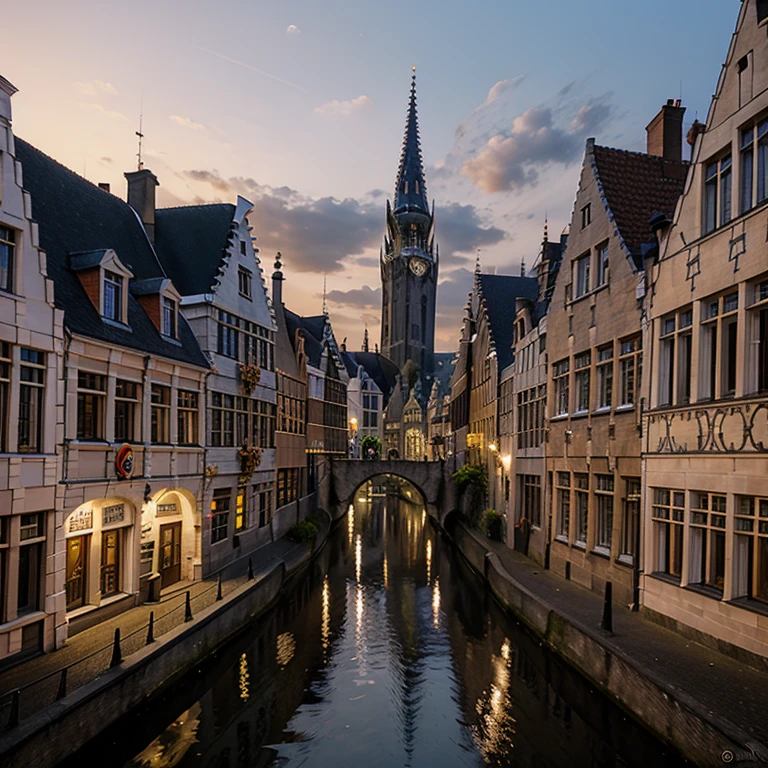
x: 501, y: 293
x: 635, y: 186
x: 443, y: 370
x: 191, y: 241
x: 411, y: 169
x: 381, y: 369
x: 312, y: 330
x: 75, y: 217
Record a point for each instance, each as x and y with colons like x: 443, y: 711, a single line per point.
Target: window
x: 30, y: 564
x: 242, y: 247
x: 31, y: 526
x: 750, y: 554
x: 188, y: 416
x: 717, y: 355
x: 261, y: 503
x: 581, y: 276
x: 586, y: 215
x: 530, y: 417
x: 668, y: 513
x: 7, y: 258
x: 605, y: 376
x: 563, y: 504
x: 630, y: 366
x: 288, y: 486
x: 758, y: 331
x: 530, y: 498
x: 91, y: 400
x: 242, y: 411
x: 581, y: 365
x: 263, y: 426
x: 222, y: 419
x: 754, y: 165
x: 113, y: 296
x: 706, y: 556
x: 161, y: 414
x: 169, y: 317
x: 291, y: 405
x: 244, y: 281
x: 259, y: 347
x: 220, y: 514
x: 127, y: 411
x: 602, y: 264
x: 582, y: 509
x: 560, y: 377
x: 675, y: 355
x: 762, y: 10
x: 604, y: 505
x: 241, y: 522
x: 631, y: 521
x: 31, y: 395
x: 5, y: 393
x: 229, y: 337
x: 717, y: 194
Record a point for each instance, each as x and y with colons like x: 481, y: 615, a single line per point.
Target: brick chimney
x: 141, y: 197
x: 665, y: 132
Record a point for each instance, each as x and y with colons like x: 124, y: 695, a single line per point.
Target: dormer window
x: 113, y: 296
x: 7, y: 258
x: 169, y: 318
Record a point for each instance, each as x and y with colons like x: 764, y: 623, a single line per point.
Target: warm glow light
x: 326, y: 625
x: 507, y: 462
x: 386, y: 572
x: 286, y: 648
x: 351, y: 523
x: 358, y: 558
x: 244, y: 678
x: 493, y: 448
x: 429, y: 561
x: 436, y: 604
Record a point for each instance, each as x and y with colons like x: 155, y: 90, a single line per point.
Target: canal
x: 387, y: 652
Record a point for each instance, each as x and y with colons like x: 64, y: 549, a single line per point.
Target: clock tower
x: 409, y: 259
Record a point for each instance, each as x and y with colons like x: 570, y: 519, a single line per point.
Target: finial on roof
x: 522, y: 268
x: 477, y: 263
x: 325, y: 295
x: 546, y: 229
x: 279, y: 261
x: 141, y: 136
x: 365, y: 340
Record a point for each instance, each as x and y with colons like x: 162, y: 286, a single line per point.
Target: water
x: 389, y: 652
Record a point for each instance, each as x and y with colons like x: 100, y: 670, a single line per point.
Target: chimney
x: 141, y: 197
x: 694, y: 131
x: 665, y: 132
x: 277, y: 282
x: 6, y: 91
x: 104, y: 186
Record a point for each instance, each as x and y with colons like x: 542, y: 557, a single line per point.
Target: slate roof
x: 312, y: 330
x: 191, y: 241
x: 501, y: 293
x: 381, y: 369
x: 635, y: 187
x: 74, y: 217
x: 411, y: 167
x: 443, y: 371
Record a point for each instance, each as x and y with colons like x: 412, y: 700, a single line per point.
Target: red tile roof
x: 636, y: 186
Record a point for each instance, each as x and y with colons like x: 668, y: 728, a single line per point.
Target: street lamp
x: 353, y: 437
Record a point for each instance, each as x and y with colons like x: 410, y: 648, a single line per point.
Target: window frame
x: 97, y: 397
x: 30, y: 424
x: 8, y: 253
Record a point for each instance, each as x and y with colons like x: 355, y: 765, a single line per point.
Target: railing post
x: 250, y: 570
x: 117, y: 656
x: 62, y: 692
x: 188, y: 608
x: 607, y: 622
x: 13, y: 715
x: 218, y: 591
x: 151, y: 628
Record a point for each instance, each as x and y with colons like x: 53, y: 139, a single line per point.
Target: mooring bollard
x: 151, y: 628
x: 607, y: 622
x: 117, y: 656
x: 188, y: 608
x: 62, y: 692
x: 218, y: 591
x: 250, y: 570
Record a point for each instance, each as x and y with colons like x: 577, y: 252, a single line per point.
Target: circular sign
x: 419, y: 267
x: 124, y: 461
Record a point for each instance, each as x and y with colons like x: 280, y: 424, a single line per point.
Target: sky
x: 300, y: 105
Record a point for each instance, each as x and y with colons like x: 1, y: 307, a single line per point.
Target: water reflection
x: 387, y: 653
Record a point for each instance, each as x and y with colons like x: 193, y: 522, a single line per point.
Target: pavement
x: 97, y: 641
x: 726, y: 688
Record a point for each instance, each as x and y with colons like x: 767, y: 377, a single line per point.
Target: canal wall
x: 60, y: 730
x: 673, y: 716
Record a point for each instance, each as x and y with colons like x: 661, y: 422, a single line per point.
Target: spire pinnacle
x: 365, y: 340
x: 477, y: 263
x: 522, y: 267
x: 325, y: 295
x: 411, y: 187
x: 546, y: 229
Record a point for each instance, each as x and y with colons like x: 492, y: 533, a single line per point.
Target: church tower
x: 409, y: 259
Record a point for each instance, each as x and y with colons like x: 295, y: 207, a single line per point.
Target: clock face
x: 419, y: 267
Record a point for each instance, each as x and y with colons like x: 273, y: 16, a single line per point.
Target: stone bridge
x: 431, y: 478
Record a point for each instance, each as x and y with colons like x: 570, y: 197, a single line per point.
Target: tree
x: 371, y: 447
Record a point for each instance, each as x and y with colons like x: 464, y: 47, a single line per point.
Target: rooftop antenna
x: 140, y: 134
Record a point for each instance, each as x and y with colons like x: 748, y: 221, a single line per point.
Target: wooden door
x: 77, y: 566
x: 170, y: 553
x: 110, y: 563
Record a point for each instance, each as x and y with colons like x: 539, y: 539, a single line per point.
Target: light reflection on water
x: 388, y: 653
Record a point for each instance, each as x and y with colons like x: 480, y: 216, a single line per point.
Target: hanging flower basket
x: 250, y: 458
x: 250, y: 376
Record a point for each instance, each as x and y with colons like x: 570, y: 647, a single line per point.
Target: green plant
x: 491, y: 523
x: 471, y: 475
x: 371, y: 446
x: 303, y: 532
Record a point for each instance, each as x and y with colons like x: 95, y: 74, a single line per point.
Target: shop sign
x: 167, y: 509
x: 124, y: 461
x: 81, y: 520
x: 113, y: 514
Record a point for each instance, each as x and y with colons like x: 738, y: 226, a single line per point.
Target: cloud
x: 514, y: 159
x: 461, y: 229
x: 210, y: 177
x: 452, y: 292
x: 255, y: 69
x: 108, y: 112
x: 503, y: 86
x: 344, y: 108
x: 95, y: 87
x: 292, y: 30
x: 362, y: 298
x: 187, y: 123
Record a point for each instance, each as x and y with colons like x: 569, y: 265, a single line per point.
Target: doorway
x: 77, y: 566
x: 170, y: 554
x: 110, y: 563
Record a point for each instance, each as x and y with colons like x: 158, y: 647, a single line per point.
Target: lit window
x: 240, y: 523
x: 113, y: 296
x: 219, y: 514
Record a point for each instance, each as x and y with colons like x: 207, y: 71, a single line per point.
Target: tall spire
x: 325, y: 295
x: 411, y: 188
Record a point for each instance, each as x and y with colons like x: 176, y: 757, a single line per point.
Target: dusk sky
x: 300, y: 107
